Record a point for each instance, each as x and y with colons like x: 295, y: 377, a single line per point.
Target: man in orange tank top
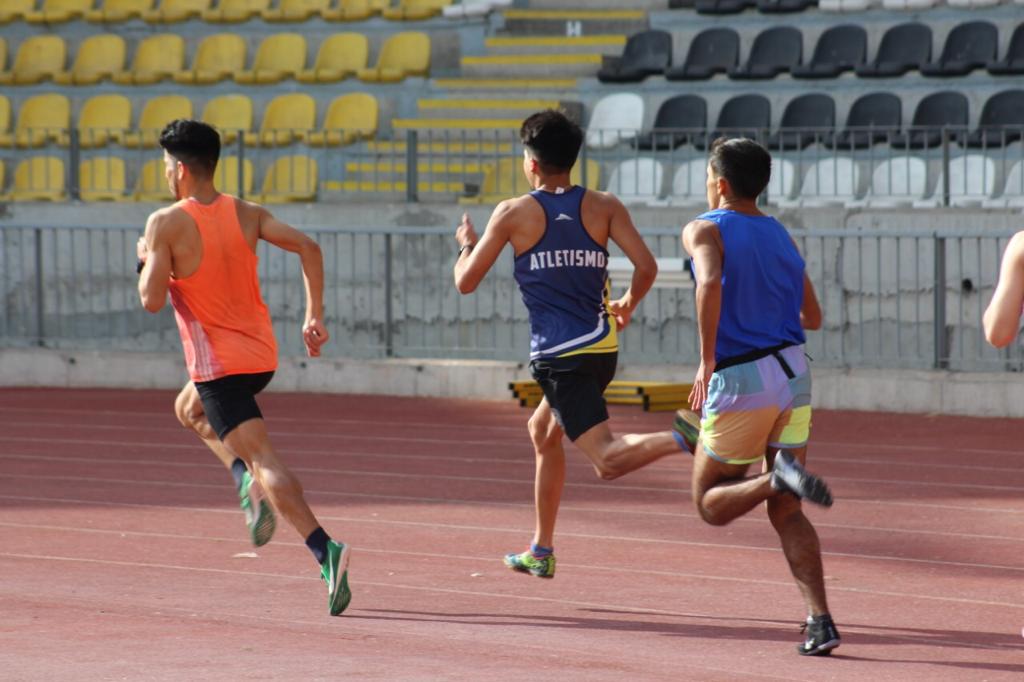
x: 202, y: 250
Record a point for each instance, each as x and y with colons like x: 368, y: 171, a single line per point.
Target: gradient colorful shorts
x: 757, y: 405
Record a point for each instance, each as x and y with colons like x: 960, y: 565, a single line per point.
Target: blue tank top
x: 762, y: 284
x: 563, y: 279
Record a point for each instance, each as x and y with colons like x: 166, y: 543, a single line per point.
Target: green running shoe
x: 527, y: 563
x: 259, y: 517
x: 687, y: 425
x: 334, y: 571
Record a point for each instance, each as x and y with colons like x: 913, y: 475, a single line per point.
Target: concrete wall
x: 983, y: 395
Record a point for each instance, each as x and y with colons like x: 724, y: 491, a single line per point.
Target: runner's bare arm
x: 154, y: 249
x: 810, y: 311
x: 701, y: 240
x: 283, y: 236
x: 473, y: 263
x: 1002, y: 317
x: 645, y: 267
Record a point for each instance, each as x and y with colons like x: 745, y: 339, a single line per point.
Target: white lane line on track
x: 604, y: 486
x: 659, y: 541
x: 498, y: 595
x: 523, y: 506
x: 495, y: 427
x: 688, y: 518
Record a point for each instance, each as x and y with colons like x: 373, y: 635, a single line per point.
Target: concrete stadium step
x: 456, y: 123
x: 499, y: 84
x: 388, y: 187
x: 423, y: 146
x: 481, y: 107
x: 526, y: 66
x: 434, y: 167
x: 610, y: 44
x: 570, y: 22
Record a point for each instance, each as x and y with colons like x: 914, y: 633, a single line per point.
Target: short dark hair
x: 744, y: 163
x: 194, y: 143
x: 553, y: 139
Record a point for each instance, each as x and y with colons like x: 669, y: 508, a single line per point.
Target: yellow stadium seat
x: 350, y: 10
x: 235, y: 11
x: 38, y: 59
x: 151, y: 184
x: 414, y: 10
x: 98, y: 57
x: 340, y: 56
x: 295, y: 10
x: 3, y: 170
x: 218, y: 57
x: 225, y: 178
x: 170, y: 11
x: 155, y: 116
x: 279, y: 56
x: 403, y: 54
x: 290, y: 178
x: 230, y: 114
x: 156, y: 58
x: 287, y: 118
x: 103, y: 119
x: 40, y: 178
x: 3, y: 54
x: 349, y: 117
x: 41, y: 119
x: 5, y: 122
x: 15, y: 9
x: 505, y: 179
x: 102, y: 179
x: 111, y: 11
x: 58, y: 11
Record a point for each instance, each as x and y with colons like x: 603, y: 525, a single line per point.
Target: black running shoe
x: 790, y: 476
x: 822, y: 636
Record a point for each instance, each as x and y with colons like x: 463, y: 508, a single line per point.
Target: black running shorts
x: 231, y: 400
x: 574, y: 387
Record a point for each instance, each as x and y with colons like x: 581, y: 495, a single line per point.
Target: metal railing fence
x: 891, y: 298
x: 933, y: 166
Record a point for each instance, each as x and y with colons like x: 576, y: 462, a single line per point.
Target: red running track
x: 124, y: 554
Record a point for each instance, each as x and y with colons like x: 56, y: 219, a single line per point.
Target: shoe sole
x: 820, y: 650
x: 343, y: 595
x: 265, y: 525
x: 521, y: 569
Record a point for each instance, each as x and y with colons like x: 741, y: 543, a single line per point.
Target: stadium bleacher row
x: 224, y: 11
x: 218, y: 57
x: 905, y: 47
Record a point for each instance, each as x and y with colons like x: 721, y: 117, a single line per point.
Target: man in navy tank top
x: 753, y: 386
x: 560, y: 234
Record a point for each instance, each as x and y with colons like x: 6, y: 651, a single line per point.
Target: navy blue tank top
x: 563, y: 279
x: 762, y: 284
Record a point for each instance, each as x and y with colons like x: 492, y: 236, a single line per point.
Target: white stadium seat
x: 637, y: 180
x: 615, y: 118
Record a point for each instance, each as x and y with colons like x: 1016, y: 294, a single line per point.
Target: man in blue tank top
x: 754, y: 300
x: 560, y: 234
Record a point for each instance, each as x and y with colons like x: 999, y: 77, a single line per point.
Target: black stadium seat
x: 873, y: 118
x: 681, y: 4
x: 775, y: 6
x: 807, y: 119
x: 742, y: 116
x: 687, y: 112
x: 646, y: 53
x: 715, y: 50
x: 839, y: 49
x: 938, y: 110
x: 968, y: 47
x: 723, y: 6
x: 775, y: 50
x: 1001, y: 122
x: 1013, y: 62
x: 904, y: 47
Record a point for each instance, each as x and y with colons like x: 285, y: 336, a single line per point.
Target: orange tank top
x: 224, y: 324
